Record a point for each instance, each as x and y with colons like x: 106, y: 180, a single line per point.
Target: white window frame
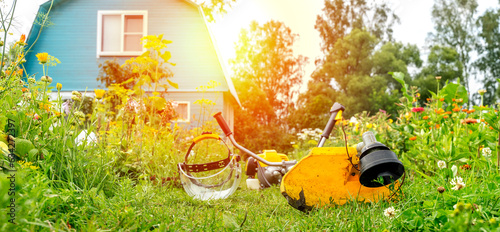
x: 188, y: 111
x: 123, y: 13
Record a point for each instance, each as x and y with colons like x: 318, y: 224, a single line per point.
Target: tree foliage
x: 490, y: 54
x: 111, y: 72
x: 340, y: 17
x: 455, y: 25
x: 264, y: 56
x: 358, y: 54
x: 213, y: 7
x: 267, y: 75
x: 441, y: 61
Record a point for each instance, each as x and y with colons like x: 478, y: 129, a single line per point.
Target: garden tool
x: 330, y: 175
x: 209, y: 180
x: 266, y: 175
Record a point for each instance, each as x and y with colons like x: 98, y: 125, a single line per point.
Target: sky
x: 299, y: 15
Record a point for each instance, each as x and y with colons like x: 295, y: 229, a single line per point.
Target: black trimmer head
x: 379, y: 166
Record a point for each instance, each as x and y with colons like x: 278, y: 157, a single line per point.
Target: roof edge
x: 229, y: 82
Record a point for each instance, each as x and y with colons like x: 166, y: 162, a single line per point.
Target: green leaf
x: 399, y: 76
x: 426, y: 177
x: 428, y: 204
x: 454, y: 90
x: 166, y: 56
x: 173, y: 84
x: 127, y: 81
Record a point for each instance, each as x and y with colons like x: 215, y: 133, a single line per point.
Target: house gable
x: 73, y: 40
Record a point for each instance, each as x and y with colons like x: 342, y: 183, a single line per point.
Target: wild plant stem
x: 12, y: 10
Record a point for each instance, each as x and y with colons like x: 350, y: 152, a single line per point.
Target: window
x: 119, y: 33
x: 182, y: 109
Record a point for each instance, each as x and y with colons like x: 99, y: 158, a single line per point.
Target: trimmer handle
x: 222, y: 123
x: 336, y: 114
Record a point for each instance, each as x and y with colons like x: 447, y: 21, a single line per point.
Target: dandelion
x: 59, y: 86
x: 390, y: 212
x: 99, y: 93
x: 486, y: 152
x: 417, y: 109
x: 441, y: 164
x: 458, y: 183
x: 42, y: 57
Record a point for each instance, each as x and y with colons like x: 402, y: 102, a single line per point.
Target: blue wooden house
x: 85, y: 33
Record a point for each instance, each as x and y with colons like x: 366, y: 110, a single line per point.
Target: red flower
x: 413, y: 138
x: 417, y: 109
x: 36, y: 117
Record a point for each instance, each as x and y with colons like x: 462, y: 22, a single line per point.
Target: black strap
x: 206, y: 166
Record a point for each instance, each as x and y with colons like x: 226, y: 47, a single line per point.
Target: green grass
x: 145, y: 206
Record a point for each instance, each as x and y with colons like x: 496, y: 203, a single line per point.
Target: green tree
x: 213, y: 7
x: 455, y: 25
x: 348, y: 73
x: 442, y: 61
x: 395, y: 57
x: 111, y: 72
x: 490, y: 54
x: 341, y: 16
x: 267, y: 76
x: 264, y: 55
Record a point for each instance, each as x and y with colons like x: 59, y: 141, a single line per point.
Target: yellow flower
x: 99, y: 93
x: 42, y: 57
x: 59, y: 86
x: 482, y: 91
